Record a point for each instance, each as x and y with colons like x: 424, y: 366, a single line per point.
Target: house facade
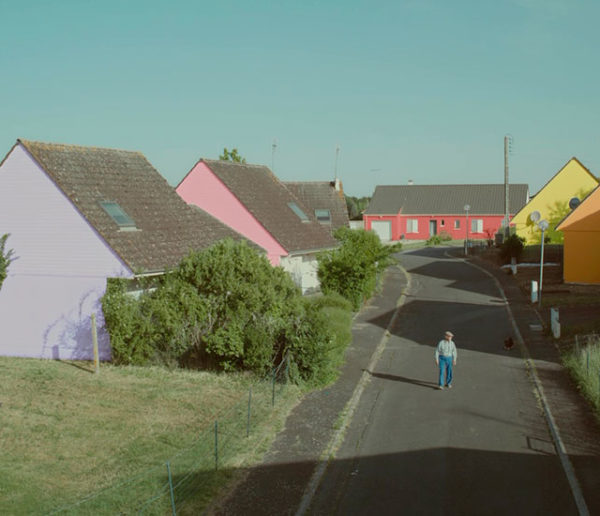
x: 572, y: 180
x: 253, y: 202
x: 77, y: 216
x: 581, y: 247
x: 417, y: 212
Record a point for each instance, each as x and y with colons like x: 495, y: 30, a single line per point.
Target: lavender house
x: 77, y: 216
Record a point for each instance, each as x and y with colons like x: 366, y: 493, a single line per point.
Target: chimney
x: 337, y: 184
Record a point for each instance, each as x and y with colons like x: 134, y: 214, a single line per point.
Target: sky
x: 375, y: 92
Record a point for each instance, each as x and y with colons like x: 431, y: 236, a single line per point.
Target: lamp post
x: 467, y: 208
x: 543, y: 225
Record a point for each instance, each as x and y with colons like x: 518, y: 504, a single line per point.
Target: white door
x: 383, y: 229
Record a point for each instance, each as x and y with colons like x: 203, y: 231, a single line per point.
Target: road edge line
x: 351, y: 405
x: 558, y: 443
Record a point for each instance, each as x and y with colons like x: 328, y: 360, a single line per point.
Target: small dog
x: 508, y: 343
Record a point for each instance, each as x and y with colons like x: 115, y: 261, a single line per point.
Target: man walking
x: 445, y: 358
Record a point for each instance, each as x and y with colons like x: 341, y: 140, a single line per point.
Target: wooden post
x: 95, y: 343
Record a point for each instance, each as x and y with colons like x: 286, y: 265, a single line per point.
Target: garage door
x: 383, y: 229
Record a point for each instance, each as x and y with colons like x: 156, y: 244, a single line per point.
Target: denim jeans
x: 445, y: 366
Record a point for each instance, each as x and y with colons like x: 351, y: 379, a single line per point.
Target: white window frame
x: 476, y: 225
x: 456, y: 223
x: 412, y: 225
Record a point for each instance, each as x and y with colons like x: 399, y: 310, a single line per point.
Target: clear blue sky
x: 415, y: 89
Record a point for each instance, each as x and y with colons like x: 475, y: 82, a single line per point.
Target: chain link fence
x: 185, y: 482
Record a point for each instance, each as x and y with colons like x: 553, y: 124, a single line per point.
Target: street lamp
x: 467, y: 208
x: 543, y: 225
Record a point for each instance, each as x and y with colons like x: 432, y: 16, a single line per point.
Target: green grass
x: 583, y: 362
x: 67, y: 434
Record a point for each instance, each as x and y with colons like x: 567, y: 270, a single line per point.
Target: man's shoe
x: 441, y: 387
x: 449, y: 386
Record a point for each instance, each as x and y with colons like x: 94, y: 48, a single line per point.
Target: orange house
x: 581, y: 230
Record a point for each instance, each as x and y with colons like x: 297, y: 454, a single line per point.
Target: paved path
x: 482, y: 448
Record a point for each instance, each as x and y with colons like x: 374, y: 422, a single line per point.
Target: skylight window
x: 296, y: 209
x: 323, y: 216
x: 118, y: 215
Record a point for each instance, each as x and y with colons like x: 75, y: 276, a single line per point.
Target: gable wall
x: 203, y: 189
x: 581, y: 259
x: 60, y: 268
x: 565, y: 185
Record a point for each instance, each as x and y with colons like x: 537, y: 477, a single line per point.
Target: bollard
x: 534, y: 291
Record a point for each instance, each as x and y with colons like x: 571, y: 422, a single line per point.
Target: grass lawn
x: 68, y: 433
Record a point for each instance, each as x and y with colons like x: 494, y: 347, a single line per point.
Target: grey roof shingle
x: 167, y: 228
x: 317, y: 195
x: 263, y: 195
x: 486, y: 199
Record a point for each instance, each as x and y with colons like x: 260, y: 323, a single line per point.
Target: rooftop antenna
x: 273, y: 149
x: 337, y: 153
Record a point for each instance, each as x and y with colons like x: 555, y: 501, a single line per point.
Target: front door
x: 432, y: 227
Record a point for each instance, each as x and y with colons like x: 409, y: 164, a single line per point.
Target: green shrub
x: 512, y: 247
x: 5, y: 258
x: 353, y: 268
x: 434, y: 240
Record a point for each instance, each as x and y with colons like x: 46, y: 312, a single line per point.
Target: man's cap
x: 449, y: 333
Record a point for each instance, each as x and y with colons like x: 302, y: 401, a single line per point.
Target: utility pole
x: 507, y: 142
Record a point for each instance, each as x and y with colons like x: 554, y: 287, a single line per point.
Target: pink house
x: 253, y: 202
x: 76, y: 217
x: 417, y: 212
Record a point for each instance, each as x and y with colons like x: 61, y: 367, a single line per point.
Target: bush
x: 5, y: 258
x: 353, y: 268
x: 227, y: 308
x: 512, y: 247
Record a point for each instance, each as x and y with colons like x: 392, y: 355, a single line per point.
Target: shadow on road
x: 396, y: 378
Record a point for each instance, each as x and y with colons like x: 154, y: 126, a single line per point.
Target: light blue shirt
x: 446, y: 348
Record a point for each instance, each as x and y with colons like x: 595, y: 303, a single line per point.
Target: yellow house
x: 581, y: 229
x: 573, y: 180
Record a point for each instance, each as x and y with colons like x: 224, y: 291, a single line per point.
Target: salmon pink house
x: 417, y: 212
x: 253, y: 202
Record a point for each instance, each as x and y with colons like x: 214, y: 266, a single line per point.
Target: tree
x: 232, y: 156
x: 5, y: 258
x: 356, y: 206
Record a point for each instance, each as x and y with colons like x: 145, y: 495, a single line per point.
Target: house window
x: 323, y: 216
x: 296, y: 209
x: 118, y: 214
x: 412, y: 225
x: 477, y: 225
x: 442, y: 223
x: 457, y: 224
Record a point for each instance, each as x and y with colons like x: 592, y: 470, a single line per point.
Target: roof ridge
x: 26, y: 142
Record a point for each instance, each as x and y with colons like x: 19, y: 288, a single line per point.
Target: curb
x: 554, y: 432
x: 350, y: 407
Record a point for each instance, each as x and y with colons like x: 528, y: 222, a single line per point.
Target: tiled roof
x: 316, y: 195
x: 263, y: 195
x: 167, y: 228
x: 446, y: 199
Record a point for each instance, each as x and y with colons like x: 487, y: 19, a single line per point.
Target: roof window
x: 296, y: 209
x: 118, y: 214
x: 323, y: 216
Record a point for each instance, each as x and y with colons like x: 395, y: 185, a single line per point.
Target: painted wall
x: 444, y: 223
x: 203, y: 189
x: 60, y: 268
x: 581, y: 258
x: 303, y: 270
x: 565, y: 185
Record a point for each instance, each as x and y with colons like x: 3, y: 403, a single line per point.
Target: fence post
x: 95, y: 344
x: 216, y: 445
x: 171, y: 489
x: 287, y: 367
x: 273, y: 394
x: 249, y: 404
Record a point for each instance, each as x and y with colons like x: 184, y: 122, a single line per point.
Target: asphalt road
x: 481, y: 448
